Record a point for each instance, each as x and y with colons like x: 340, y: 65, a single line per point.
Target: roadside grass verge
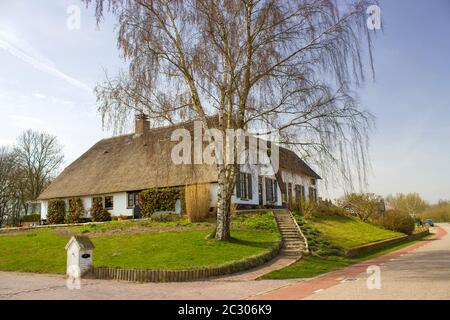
x: 43, y: 250
x: 328, y: 237
x: 311, y: 266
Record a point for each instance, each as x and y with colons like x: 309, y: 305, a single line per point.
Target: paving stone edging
x: 353, y: 252
x: 142, y: 275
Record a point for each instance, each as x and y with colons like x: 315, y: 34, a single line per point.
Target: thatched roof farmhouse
x: 118, y: 168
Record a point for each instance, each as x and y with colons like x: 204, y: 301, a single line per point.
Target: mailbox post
x: 79, y: 256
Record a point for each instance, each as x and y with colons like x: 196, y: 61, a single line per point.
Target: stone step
x: 293, y: 247
x: 291, y: 250
x: 292, y: 253
x: 294, y: 242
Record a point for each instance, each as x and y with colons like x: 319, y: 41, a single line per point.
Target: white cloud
x: 24, y: 51
x: 5, y: 142
x: 26, y: 121
x: 40, y: 95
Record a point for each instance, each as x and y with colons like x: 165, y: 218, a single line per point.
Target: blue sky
x: 47, y: 73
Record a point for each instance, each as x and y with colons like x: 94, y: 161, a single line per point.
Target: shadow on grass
x: 257, y: 244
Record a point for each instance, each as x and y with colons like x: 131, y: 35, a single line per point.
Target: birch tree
x: 290, y: 66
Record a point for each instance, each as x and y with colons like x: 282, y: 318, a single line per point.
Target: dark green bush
x: 397, y: 221
x: 56, y: 213
x: 159, y: 199
x: 98, y: 213
x: 76, y: 209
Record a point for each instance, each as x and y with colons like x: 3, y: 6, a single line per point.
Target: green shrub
x: 326, y: 208
x: 98, y: 213
x: 397, y: 221
x: 56, y: 213
x: 159, y: 199
x: 161, y: 216
x: 76, y: 209
x: 31, y: 218
x: 321, y: 208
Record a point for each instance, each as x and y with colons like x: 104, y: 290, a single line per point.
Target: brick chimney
x: 142, y: 125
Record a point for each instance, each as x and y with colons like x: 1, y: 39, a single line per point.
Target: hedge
x: 160, y: 199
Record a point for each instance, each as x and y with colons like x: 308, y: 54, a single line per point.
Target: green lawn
x: 137, y: 245
x: 348, y: 232
x: 311, y: 266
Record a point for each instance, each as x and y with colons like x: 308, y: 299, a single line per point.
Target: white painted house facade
x: 115, y: 170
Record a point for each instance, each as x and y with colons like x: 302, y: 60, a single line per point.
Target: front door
x: 289, y: 193
x: 137, y: 208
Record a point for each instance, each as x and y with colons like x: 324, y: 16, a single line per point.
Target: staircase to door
x: 293, y: 241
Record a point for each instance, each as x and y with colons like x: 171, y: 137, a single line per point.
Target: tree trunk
x: 223, y: 206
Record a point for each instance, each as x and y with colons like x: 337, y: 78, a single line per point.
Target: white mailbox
x: 79, y: 256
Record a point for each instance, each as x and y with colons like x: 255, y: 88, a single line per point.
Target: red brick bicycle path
x: 304, y: 289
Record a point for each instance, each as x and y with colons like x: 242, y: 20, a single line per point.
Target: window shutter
x: 238, y: 185
x: 250, y: 189
x: 267, y: 182
x: 275, y: 190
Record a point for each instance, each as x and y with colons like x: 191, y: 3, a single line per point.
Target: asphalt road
x: 414, y: 273
x: 420, y: 274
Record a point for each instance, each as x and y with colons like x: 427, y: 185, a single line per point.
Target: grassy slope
x: 43, y: 250
x: 311, y: 266
x: 340, y: 232
x: 347, y: 232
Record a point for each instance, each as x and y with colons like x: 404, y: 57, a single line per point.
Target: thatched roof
x: 136, y: 162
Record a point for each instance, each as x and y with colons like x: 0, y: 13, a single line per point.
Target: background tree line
x: 26, y: 169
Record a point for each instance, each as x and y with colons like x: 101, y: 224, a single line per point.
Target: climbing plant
x: 160, y: 199
x: 76, y: 209
x: 98, y: 213
x: 56, y: 213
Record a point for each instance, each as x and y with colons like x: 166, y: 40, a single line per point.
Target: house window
x: 130, y: 200
x: 244, y: 186
x: 298, y: 192
x: 271, y: 190
x: 109, y: 202
x: 312, y: 194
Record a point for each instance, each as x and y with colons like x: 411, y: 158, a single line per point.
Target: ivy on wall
x: 76, y: 210
x: 56, y: 213
x: 98, y: 213
x: 160, y: 199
